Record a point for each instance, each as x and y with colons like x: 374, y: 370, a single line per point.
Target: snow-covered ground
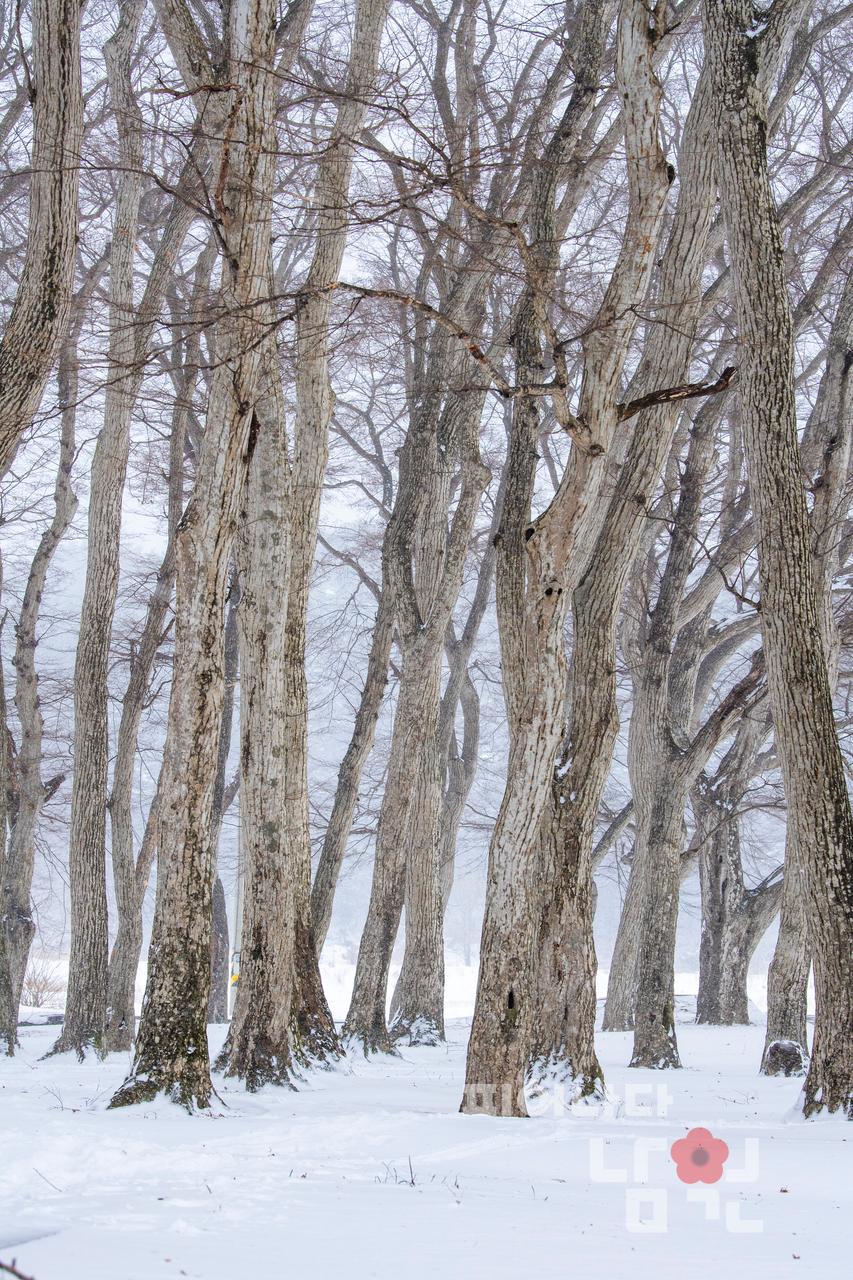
x: 369, y: 1171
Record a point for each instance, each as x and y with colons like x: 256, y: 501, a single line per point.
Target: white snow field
x: 369, y: 1171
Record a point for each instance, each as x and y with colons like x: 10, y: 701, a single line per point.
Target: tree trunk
x: 86, y: 1008
x: 220, y: 955
x: 622, y: 977
x: 349, y: 774
x: 553, y: 557
x: 734, y: 918
x: 312, y: 1029
x: 826, y: 449
x: 131, y: 875
x: 39, y: 315
x: 786, y: 1044
x: 220, y: 952
x: 258, y: 1047
x: 171, y: 1053
x: 419, y: 1017
x: 8, y: 1007
x: 800, y: 690
x: 31, y: 792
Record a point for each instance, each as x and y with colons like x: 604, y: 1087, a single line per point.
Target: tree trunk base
x: 366, y: 1042
x: 118, y: 1037
x: 82, y: 1045
x: 784, y: 1058
x: 188, y: 1086
x: 827, y: 1090
x: 658, y: 1054
x: 555, y: 1084
x: 417, y: 1031
x: 258, y: 1063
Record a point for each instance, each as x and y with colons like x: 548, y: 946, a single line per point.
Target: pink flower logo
x: 699, y: 1157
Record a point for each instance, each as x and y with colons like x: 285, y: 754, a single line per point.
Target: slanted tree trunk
x: 31, y: 791
x: 39, y: 315
x: 622, y: 976
x: 800, y: 689
x: 171, y: 1054
x: 408, y: 820
x: 349, y: 775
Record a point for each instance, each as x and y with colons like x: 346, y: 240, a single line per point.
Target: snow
x: 369, y: 1171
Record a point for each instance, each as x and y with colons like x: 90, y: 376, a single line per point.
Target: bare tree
x: 800, y: 690
x: 171, y: 1053
x: 39, y: 315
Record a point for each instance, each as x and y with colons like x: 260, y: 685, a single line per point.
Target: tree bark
x: 800, y: 690
x: 786, y: 1043
x: 131, y: 875
x: 171, y: 1054
x: 734, y: 918
x: 31, y: 791
x: 39, y: 315
x: 349, y: 775
x: 312, y: 1027
x: 552, y: 553
x: 86, y: 1005
x: 258, y: 1047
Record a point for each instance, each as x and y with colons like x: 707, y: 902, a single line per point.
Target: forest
x: 425, y: 474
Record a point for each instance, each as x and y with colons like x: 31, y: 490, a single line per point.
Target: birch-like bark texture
x: 800, y: 690
x: 171, y: 1053
x: 39, y: 315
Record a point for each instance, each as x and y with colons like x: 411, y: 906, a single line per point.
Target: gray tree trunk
x: 552, y: 554
x: 86, y: 1004
x: 131, y: 873
x: 171, y: 1053
x: 800, y: 689
x: 39, y: 315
